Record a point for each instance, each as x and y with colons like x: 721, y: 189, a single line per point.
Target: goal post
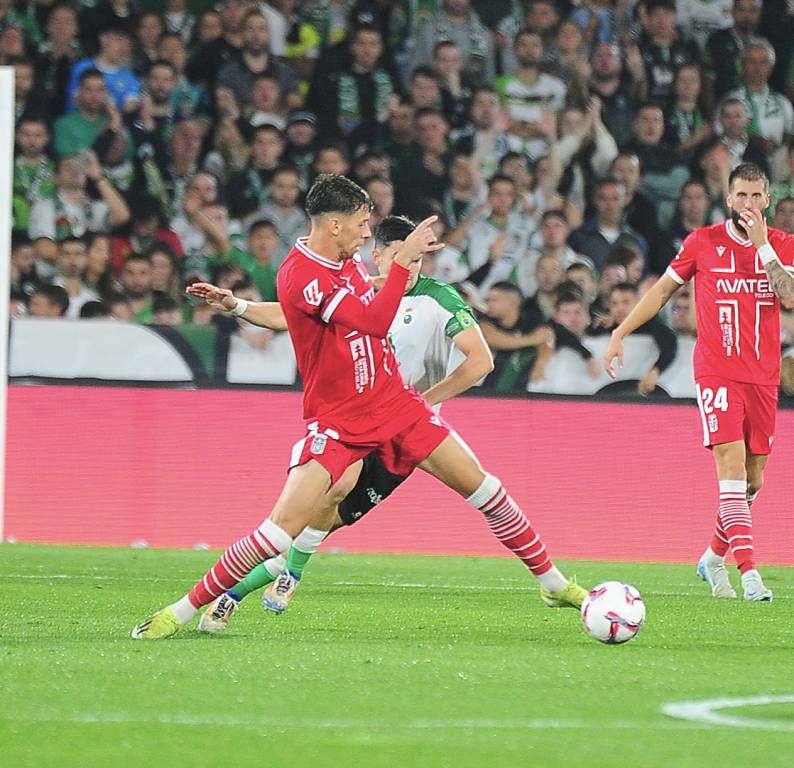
x: 6, y: 220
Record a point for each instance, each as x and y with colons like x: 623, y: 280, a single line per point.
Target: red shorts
x: 399, y: 453
x: 736, y: 410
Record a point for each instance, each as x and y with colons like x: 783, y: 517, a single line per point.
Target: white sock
x: 553, y: 580
x: 183, y: 609
x: 487, y: 490
x: 275, y: 566
x: 309, y: 540
x: 711, y: 556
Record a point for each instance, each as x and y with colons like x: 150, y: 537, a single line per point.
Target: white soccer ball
x: 613, y: 612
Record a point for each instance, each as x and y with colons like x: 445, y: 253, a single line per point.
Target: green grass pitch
x: 381, y: 661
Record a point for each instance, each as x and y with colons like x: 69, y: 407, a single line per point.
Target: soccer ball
x: 613, y: 612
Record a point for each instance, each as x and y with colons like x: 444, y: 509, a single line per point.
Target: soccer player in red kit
x: 355, y: 403
x: 740, y: 273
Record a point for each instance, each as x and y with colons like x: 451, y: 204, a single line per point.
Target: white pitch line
x: 390, y: 584
x: 348, y: 725
x: 709, y: 711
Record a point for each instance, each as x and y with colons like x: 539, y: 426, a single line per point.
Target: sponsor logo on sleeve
x: 312, y: 293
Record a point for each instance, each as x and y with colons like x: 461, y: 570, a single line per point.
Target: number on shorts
x: 714, y: 401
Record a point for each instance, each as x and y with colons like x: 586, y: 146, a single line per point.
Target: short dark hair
x: 135, y: 256
x: 782, y: 201
x: 33, y: 117
x: 92, y: 72
x: 160, y: 247
x: 567, y: 291
x: 425, y: 111
x: 161, y: 63
x: 285, y: 168
x: 748, y: 172
x: 423, y: 70
x: 554, y: 213
x: 262, y: 224
x: 443, y: 44
x: 116, y: 297
x: 336, y: 194
x: 497, y: 177
x: 335, y: 145
x: 55, y: 295
x: 507, y: 287
x: 93, y: 309
x: 624, y: 287
x: 655, y: 5
x: 162, y: 302
x: 393, y: 228
x: 569, y: 297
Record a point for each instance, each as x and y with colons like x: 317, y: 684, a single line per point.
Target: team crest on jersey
x: 714, y: 423
x: 312, y: 293
x: 318, y: 444
x: 720, y: 250
x: 408, y: 318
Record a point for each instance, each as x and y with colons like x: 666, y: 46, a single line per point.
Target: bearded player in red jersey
x: 355, y: 403
x: 740, y: 272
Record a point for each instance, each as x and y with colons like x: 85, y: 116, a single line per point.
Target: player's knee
x: 754, y: 484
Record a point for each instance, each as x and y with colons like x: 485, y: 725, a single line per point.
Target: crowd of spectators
x: 567, y: 146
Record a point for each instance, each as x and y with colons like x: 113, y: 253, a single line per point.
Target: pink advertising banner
x: 178, y: 468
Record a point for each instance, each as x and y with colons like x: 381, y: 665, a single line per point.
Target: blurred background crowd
x: 567, y: 146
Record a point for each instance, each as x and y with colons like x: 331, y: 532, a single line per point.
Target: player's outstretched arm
x: 647, y: 307
x: 375, y: 318
x: 266, y: 314
x: 477, y: 363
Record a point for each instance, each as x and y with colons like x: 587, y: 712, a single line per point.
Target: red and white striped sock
x: 510, y: 525
x: 736, y: 522
x: 269, y: 540
x: 719, y: 540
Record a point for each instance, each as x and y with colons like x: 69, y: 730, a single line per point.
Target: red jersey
x: 738, y: 314
x: 339, y: 331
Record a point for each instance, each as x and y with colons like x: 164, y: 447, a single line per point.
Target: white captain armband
x: 767, y: 254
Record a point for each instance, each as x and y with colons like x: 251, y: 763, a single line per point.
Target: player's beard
x: 737, y: 222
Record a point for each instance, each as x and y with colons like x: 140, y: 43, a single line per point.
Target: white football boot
x: 715, y: 574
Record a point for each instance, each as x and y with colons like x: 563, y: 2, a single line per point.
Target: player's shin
x: 305, y: 545
x: 736, y: 522
x: 261, y: 576
x: 267, y: 541
x: 509, y: 524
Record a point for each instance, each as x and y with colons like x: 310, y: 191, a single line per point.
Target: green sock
x: 259, y: 577
x: 297, y: 560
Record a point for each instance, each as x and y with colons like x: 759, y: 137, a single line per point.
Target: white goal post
x: 6, y: 219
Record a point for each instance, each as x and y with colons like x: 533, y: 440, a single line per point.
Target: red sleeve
x: 783, y: 243
x: 682, y: 267
x: 305, y: 286
x: 374, y: 318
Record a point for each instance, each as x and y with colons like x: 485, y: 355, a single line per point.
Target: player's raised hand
x: 754, y: 224
x: 218, y: 298
x: 422, y: 240
x: 614, y: 350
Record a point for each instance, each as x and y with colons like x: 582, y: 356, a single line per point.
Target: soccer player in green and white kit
x: 431, y: 323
